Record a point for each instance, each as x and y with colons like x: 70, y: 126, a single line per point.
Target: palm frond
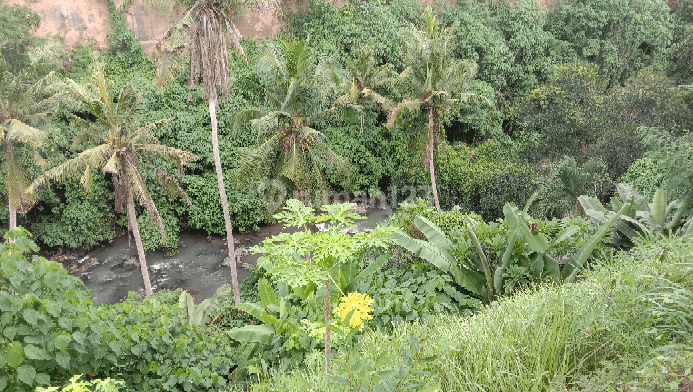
x: 243, y: 117
x: 17, y: 183
x: 171, y: 186
x: 139, y: 189
x: 113, y: 164
x: 61, y: 172
x: 384, y: 102
x: 144, y: 134
x: 19, y: 132
x: 254, y: 163
x: 172, y: 155
x: 396, y: 114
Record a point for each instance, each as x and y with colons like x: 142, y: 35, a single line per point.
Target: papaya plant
x: 304, y: 260
x: 640, y: 218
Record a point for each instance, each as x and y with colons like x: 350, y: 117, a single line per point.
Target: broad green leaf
x: 26, y: 374
x: 15, y: 354
x: 3, y: 383
x: 31, y: 316
x: 61, y: 341
x: 254, y: 310
x: 551, y: 267
x: 267, y: 295
x: 473, y: 281
x: 33, y: 352
x: 659, y: 206
x: 432, y: 232
x: 252, y: 334
x: 441, y: 258
x: 41, y: 379
x: 577, y: 260
x: 368, y: 271
x: 63, y: 359
x: 565, y: 234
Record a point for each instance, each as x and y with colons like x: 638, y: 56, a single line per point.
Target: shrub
x: 51, y: 330
x: 247, y: 212
x: 632, y: 310
x: 564, y: 181
x: 71, y: 217
x: 644, y: 176
x: 414, y: 292
x: 483, y: 178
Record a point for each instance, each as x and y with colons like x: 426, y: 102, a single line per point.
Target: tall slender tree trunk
x: 13, y: 215
x: 224, y: 201
x: 132, y: 218
x: 328, y: 337
x: 432, y: 135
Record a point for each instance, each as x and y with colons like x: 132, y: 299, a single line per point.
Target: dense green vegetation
x: 539, y: 164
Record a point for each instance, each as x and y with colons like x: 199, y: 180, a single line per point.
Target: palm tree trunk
x: 138, y: 242
x: 13, y: 216
x: 224, y: 201
x: 327, y: 309
x: 432, y: 133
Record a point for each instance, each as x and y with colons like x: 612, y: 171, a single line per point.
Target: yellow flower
x: 360, y: 304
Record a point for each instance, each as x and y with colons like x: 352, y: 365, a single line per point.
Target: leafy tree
x: 295, y: 89
x: 621, y: 36
x: 207, y: 27
x: 432, y: 77
x: 16, y: 24
x: 568, y: 112
x: 122, y: 148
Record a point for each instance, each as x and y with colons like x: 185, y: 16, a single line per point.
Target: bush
x: 632, y: 310
x: 414, y: 292
x: 483, y: 181
x: 562, y: 182
x: 375, y: 156
x: 644, y: 176
x: 51, y: 331
x: 247, y: 212
x: 71, y: 217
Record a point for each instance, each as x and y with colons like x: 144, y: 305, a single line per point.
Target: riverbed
x: 197, y: 265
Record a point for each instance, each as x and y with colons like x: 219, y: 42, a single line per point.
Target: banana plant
x: 538, y: 246
x: 202, y: 313
x: 437, y: 252
x: 640, y: 218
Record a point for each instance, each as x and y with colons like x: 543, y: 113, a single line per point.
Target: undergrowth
x: 626, y: 327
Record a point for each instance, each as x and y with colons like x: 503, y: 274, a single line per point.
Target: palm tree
x: 122, y: 147
x: 366, y: 78
x: 294, y: 88
x: 207, y: 28
x: 432, y: 77
x: 21, y: 103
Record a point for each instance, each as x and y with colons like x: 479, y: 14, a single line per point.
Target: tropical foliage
x: 506, y: 103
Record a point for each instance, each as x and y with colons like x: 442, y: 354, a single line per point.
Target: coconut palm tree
x: 367, y: 77
x: 23, y: 101
x: 294, y: 88
x: 123, y: 145
x: 430, y: 81
x: 205, y: 29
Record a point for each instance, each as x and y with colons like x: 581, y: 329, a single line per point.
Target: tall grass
x: 627, y: 311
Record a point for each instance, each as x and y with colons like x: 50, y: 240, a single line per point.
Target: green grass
x: 628, y: 315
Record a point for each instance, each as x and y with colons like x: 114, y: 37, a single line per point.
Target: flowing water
x: 111, y: 271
